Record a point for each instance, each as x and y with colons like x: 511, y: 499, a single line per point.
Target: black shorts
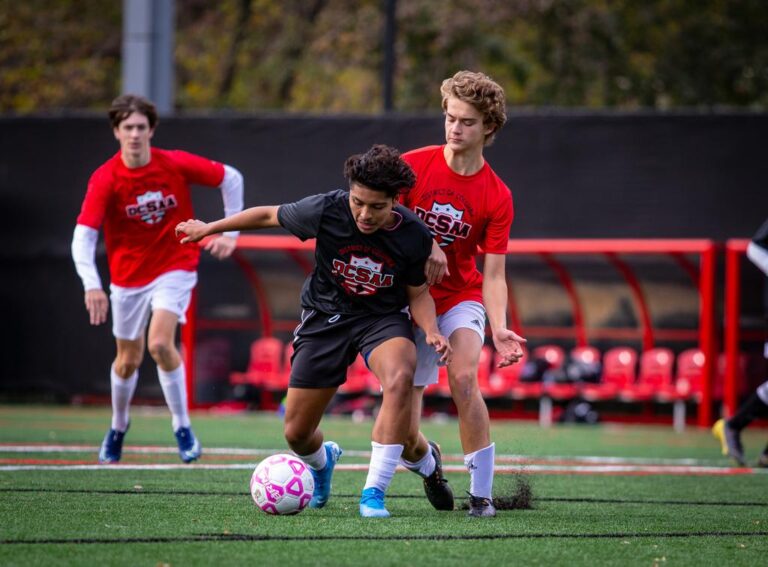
x: 326, y: 344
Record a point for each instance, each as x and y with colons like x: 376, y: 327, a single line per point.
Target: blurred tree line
x: 326, y: 55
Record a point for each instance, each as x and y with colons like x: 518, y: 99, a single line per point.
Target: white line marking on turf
x: 500, y: 458
x: 502, y: 469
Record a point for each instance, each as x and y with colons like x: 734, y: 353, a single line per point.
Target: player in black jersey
x: 370, y: 254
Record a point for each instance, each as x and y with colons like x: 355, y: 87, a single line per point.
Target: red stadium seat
x: 555, y: 357
x: 265, y: 365
x: 618, y: 373
x: 586, y: 354
x: 654, y: 379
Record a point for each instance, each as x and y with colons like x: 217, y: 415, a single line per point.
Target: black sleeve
x: 415, y: 276
x: 303, y: 217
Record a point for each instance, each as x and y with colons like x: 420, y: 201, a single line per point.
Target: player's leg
x: 304, y: 409
x: 393, y: 363
x: 474, y: 423
x: 420, y: 455
x: 729, y: 431
x: 130, y: 311
x: 171, y: 294
x: 321, y: 355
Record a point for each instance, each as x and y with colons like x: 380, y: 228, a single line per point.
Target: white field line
x: 505, y: 464
x: 235, y: 451
x: 502, y: 469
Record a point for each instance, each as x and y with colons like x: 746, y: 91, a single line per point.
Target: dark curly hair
x: 381, y: 168
x: 483, y: 93
x: 124, y: 105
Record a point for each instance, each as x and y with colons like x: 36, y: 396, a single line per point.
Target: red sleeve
x: 405, y: 195
x: 197, y: 169
x: 497, y: 231
x: 96, y: 199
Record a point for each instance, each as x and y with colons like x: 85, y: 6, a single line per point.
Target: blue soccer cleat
x: 112, y: 446
x: 372, y: 504
x: 322, y: 477
x: 189, y: 447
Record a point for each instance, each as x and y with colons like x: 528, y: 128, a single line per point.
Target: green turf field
x: 603, y: 495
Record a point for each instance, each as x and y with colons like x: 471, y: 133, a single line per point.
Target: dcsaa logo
x: 151, y: 206
x: 362, y: 275
x: 444, y: 220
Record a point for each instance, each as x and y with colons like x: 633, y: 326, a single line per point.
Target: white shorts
x: 131, y: 306
x: 465, y: 315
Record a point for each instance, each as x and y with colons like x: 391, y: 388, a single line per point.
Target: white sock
x: 122, y: 394
x: 480, y: 467
x: 174, y: 388
x: 424, y: 467
x: 316, y: 460
x: 384, y: 460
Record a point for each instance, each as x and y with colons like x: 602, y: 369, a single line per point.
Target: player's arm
x: 232, y: 194
x: 250, y: 219
x: 507, y: 343
x: 422, y: 308
x: 437, y: 265
x: 83, y: 249
x: 759, y: 256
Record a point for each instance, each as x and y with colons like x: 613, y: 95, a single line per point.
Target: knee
x: 399, y: 384
x: 161, y: 351
x: 463, y: 386
x: 126, y: 365
x: 295, y: 436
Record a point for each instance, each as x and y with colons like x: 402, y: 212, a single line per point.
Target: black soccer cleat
x: 480, y: 507
x: 436, y: 486
x: 730, y: 441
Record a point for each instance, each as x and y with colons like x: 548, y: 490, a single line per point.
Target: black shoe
x: 436, y: 486
x: 480, y: 507
x: 762, y: 462
x: 730, y: 441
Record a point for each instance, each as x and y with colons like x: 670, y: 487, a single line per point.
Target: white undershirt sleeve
x: 84, y: 253
x: 232, y: 194
x: 759, y: 256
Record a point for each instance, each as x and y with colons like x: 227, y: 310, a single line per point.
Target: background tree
x: 326, y: 55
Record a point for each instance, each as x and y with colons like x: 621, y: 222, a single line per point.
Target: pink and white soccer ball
x: 282, y: 484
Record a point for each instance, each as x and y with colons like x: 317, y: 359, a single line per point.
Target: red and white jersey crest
x: 151, y: 206
x: 362, y: 275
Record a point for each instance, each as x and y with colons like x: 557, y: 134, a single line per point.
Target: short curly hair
x: 483, y: 93
x: 125, y: 105
x: 380, y: 168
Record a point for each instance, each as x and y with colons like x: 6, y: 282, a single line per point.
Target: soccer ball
x: 282, y: 484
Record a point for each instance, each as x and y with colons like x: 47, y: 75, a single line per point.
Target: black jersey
x: 354, y: 272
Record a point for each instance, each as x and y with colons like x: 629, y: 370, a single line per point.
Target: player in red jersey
x: 139, y: 195
x: 466, y: 206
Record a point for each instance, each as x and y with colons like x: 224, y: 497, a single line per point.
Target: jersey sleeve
x: 497, y: 231
x: 96, y: 200
x: 302, y: 218
x: 197, y: 169
x: 415, y: 275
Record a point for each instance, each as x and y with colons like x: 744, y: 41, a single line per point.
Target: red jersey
x: 141, y: 207
x: 463, y: 213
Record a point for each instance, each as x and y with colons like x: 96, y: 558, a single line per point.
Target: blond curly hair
x: 481, y: 92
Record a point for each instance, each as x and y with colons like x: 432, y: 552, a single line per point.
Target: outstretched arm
x: 249, y: 219
x: 507, y: 343
x: 422, y: 308
x: 437, y: 265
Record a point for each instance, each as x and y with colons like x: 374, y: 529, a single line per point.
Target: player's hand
x: 442, y: 346
x: 509, y: 345
x: 221, y: 247
x: 97, y: 304
x: 195, y: 230
x: 437, y: 265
